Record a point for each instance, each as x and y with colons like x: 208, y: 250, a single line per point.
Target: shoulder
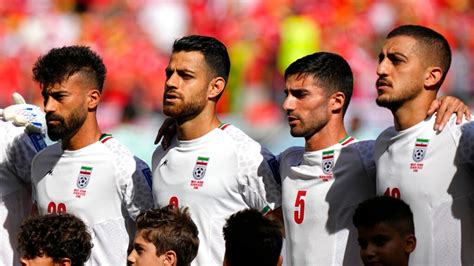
x: 236, y: 137
x: 291, y: 152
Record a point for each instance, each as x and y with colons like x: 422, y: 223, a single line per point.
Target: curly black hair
x: 57, y: 236
x: 60, y: 63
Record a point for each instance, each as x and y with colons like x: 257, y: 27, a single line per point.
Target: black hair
x: 330, y: 71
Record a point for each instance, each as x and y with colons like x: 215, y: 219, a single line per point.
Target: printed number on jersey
x: 392, y: 192
x: 299, y: 207
x: 56, y: 208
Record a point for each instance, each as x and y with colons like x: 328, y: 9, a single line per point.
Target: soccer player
x: 211, y: 167
x: 386, y: 232
x: 54, y: 239
x: 323, y: 182
x: 165, y: 236
x: 18, y: 146
x: 86, y: 173
x: 431, y: 171
x: 252, y: 239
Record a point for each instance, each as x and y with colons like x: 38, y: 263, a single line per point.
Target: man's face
x: 400, y: 71
x: 306, y: 106
x: 65, y: 107
x: 144, y: 253
x: 383, y: 245
x: 187, y: 82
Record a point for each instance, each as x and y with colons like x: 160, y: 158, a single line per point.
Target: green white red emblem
x: 200, y: 167
x: 328, y: 161
x: 419, y: 152
x: 84, y: 176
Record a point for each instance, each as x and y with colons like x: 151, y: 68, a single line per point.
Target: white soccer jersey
x: 215, y: 175
x: 321, y: 190
x: 17, y: 149
x: 432, y: 172
x: 100, y: 184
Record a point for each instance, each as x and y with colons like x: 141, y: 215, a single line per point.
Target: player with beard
x: 211, y: 167
x: 86, y: 173
x: 430, y: 171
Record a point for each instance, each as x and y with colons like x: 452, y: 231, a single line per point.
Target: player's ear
x: 170, y: 258
x: 336, y: 102
x: 216, y: 86
x: 433, y: 77
x: 93, y: 99
x: 410, y: 243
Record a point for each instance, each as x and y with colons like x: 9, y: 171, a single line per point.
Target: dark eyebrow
x: 397, y: 54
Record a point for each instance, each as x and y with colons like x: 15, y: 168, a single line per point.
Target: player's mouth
x: 374, y: 263
x: 292, y: 120
x: 382, y: 84
x: 170, y: 97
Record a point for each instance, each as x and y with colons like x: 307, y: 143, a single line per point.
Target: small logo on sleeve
x: 82, y: 181
x: 199, y: 172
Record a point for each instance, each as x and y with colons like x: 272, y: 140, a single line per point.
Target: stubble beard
x: 187, y: 110
x: 67, y: 127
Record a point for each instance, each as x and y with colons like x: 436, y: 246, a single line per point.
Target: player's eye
x: 380, y: 240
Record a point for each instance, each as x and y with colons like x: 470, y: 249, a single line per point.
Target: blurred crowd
x: 263, y: 37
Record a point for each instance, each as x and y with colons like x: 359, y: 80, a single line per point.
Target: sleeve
x: 259, y: 178
x: 21, y: 154
x: 135, y: 186
x: 465, y: 148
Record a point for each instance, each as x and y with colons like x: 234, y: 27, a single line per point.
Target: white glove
x: 24, y: 115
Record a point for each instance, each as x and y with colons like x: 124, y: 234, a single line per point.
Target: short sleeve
x: 465, y: 150
x: 20, y: 155
x: 259, y: 178
x: 136, y: 188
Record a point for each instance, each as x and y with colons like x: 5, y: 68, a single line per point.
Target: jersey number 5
x: 299, y: 204
x: 56, y: 208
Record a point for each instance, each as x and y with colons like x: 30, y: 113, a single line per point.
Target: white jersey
x: 17, y: 149
x: 215, y: 175
x: 321, y: 190
x: 432, y: 172
x: 103, y: 184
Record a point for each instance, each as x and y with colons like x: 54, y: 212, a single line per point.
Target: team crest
x: 328, y: 161
x: 419, y: 151
x: 84, y: 176
x: 200, y: 167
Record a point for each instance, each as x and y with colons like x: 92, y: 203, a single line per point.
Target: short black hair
x: 214, y: 51
x: 170, y: 228
x: 57, y: 236
x: 384, y: 209
x: 249, y: 234
x: 61, y: 63
x: 330, y: 71
x: 435, y: 46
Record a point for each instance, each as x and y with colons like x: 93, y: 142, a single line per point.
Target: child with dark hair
x: 252, y: 239
x: 386, y: 231
x: 54, y: 239
x: 165, y: 236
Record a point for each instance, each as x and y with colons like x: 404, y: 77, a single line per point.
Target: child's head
x: 252, y: 239
x: 54, y: 239
x: 165, y: 236
x: 386, y: 231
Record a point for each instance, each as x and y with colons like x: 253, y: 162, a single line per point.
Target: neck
x: 413, y: 111
x: 198, y: 126
x: 89, y: 133
x: 329, y: 135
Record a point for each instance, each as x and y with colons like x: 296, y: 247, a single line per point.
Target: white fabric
x: 17, y: 149
x: 116, y: 190
x: 325, y: 234
x: 439, y: 187
x: 236, y: 177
